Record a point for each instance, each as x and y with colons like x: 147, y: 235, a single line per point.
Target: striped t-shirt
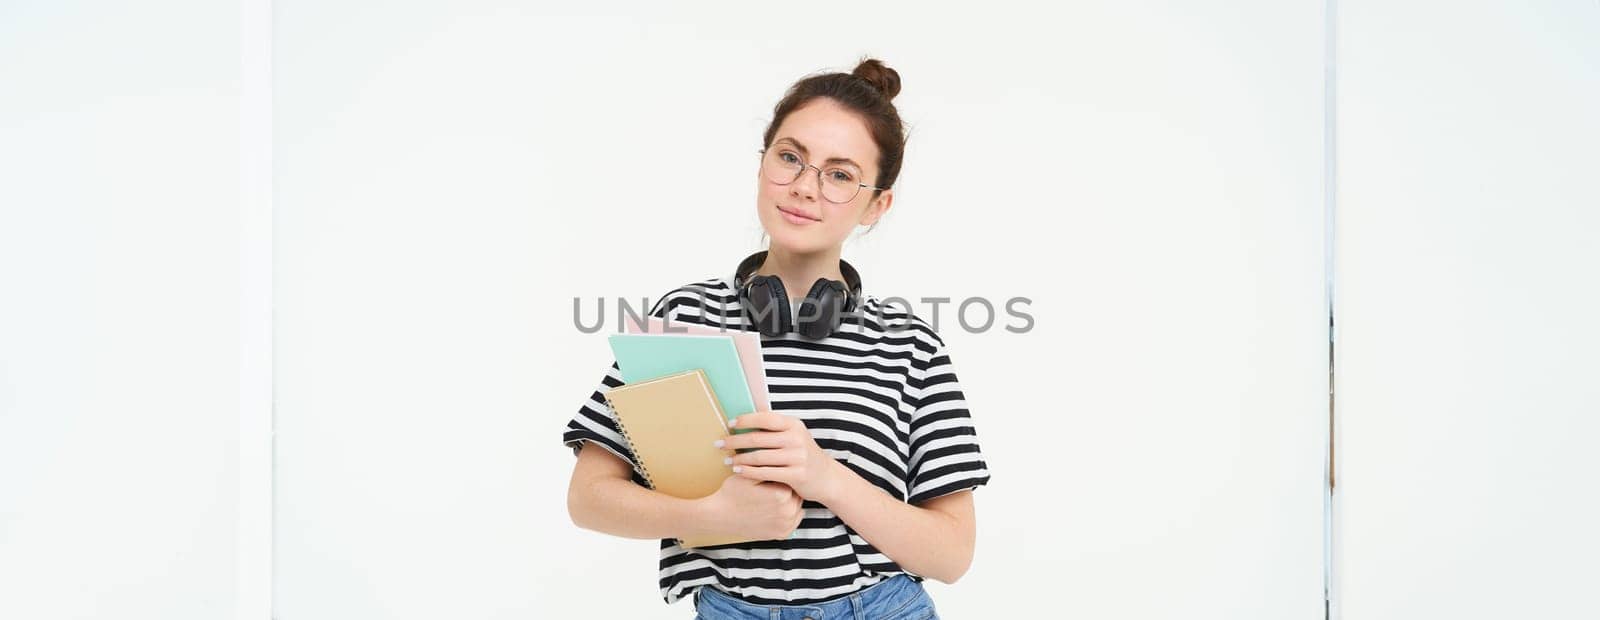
x: 880, y: 395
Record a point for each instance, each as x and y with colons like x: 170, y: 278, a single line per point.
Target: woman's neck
x: 799, y: 271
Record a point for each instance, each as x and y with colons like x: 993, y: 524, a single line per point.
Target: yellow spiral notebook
x: 670, y: 423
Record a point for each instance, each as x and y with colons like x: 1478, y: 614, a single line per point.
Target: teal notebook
x: 642, y: 357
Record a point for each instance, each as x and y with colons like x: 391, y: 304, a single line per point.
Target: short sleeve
x: 595, y: 422
x: 945, y: 456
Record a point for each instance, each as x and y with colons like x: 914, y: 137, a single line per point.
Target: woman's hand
x: 791, y: 455
x: 752, y: 508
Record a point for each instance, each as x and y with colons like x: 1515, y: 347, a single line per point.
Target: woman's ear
x: 877, y: 207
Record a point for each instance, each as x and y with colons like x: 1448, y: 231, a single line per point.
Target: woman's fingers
x: 774, y: 474
x: 766, y: 420
x: 758, y: 439
x: 766, y: 458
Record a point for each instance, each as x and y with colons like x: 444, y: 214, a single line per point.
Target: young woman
x: 865, y: 489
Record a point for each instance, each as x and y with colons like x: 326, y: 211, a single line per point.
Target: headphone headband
x: 852, y: 280
x: 821, y: 311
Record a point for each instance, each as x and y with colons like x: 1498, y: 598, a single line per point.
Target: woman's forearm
x: 922, y: 541
x: 623, y: 508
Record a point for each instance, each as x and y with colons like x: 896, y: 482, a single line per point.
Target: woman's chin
x: 795, y: 242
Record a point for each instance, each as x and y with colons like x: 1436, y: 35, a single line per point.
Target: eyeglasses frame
x: 805, y: 164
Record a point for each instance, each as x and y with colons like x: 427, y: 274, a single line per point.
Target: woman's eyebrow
x: 830, y: 160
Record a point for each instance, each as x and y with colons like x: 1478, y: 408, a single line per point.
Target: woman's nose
x: 808, y: 184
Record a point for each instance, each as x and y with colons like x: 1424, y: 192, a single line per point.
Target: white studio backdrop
x: 1467, y: 393
x: 443, y: 180
x: 449, y: 177
x: 133, y: 397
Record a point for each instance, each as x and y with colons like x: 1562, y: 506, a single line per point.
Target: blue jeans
x: 896, y: 598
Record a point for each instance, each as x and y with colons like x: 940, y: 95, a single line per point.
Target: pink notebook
x: 747, y: 343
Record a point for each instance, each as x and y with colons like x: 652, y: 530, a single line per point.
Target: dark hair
x: 867, y: 91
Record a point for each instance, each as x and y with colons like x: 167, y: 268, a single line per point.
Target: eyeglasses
x: 784, y: 166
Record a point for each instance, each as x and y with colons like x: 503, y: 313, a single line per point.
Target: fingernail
x: 718, y: 443
x: 733, y: 422
x: 737, y: 469
x: 727, y: 460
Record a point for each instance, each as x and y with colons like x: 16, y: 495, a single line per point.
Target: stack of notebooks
x: 681, y: 387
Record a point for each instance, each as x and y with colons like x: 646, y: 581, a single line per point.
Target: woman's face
x: 796, y: 216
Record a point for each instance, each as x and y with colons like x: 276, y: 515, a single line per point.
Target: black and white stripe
x: 880, y: 396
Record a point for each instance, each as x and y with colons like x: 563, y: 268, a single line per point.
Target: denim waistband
x: 874, y: 601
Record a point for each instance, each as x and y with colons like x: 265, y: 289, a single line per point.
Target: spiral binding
x: 623, y: 428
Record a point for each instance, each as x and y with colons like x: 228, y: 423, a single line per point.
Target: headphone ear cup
x: 819, y: 312
x: 766, y: 305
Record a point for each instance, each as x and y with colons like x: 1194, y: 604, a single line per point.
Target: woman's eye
x: 789, y: 158
x: 841, y: 176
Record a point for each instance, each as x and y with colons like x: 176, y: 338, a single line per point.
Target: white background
x: 444, y: 180
x: 1468, y: 404
x: 1150, y: 176
x: 124, y: 328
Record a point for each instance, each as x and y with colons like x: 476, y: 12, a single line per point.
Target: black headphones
x: 765, y: 304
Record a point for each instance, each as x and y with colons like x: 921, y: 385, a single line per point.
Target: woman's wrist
x: 704, y: 518
x: 836, y: 483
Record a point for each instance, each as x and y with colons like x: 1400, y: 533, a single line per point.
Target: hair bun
x: 880, y: 76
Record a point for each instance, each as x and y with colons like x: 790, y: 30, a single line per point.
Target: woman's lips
x: 796, y: 218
